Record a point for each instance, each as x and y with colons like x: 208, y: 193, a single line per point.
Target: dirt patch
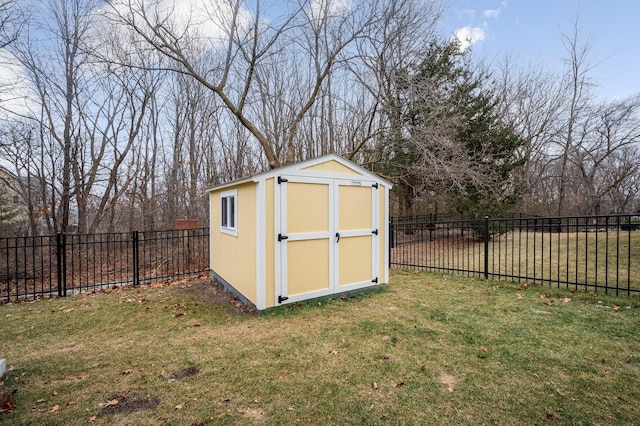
x: 255, y: 414
x: 210, y: 292
x: 449, y: 380
x: 126, y: 403
x: 185, y: 372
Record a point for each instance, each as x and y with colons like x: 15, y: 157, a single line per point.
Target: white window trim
x: 231, y: 230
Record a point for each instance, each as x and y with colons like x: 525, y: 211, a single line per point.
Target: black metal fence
x: 597, y: 253
x: 40, y: 266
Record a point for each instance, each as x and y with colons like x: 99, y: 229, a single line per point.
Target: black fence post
x: 61, y: 258
x: 136, y: 259
x: 486, y: 247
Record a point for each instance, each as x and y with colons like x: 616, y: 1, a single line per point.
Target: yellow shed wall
x: 234, y: 257
x: 270, y: 237
x: 331, y: 166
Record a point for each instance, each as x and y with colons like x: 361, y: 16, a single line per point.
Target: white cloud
x: 468, y: 36
x: 492, y: 13
x: 319, y: 8
x: 200, y: 18
x: 15, y: 94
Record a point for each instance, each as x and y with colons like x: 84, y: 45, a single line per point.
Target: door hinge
x: 375, y: 280
x: 375, y: 185
x: 282, y: 237
x: 374, y: 232
x: 282, y: 299
x: 281, y: 179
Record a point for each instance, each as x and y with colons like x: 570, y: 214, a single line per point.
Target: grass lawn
x: 428, y: 350
x: 608, y: 261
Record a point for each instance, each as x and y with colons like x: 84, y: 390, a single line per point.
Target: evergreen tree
x: 446, y: 142
x: 493, y: 145
x: 9, y: 224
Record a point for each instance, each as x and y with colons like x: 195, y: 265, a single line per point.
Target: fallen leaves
x: 7, y: 401
x: 110, y: 403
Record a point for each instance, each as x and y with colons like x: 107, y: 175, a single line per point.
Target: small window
x: 228, y: 213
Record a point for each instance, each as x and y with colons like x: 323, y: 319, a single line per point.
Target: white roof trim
x: 288, y: 169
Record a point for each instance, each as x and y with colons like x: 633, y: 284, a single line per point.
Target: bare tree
x: 19, y: 149
x: 235, y: 62
x: 530, y: 99
x: 53, y: 61
x: 608, y: 156
x: 11, y: 22
x: 88, y: 115
x: 194, y: 120
x: 578, y: 84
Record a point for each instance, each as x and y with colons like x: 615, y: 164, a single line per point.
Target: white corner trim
x: 261, y: 254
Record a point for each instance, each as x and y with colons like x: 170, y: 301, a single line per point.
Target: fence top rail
x: 578, y: 218
x: 423, y: 219
x: 121, y: 234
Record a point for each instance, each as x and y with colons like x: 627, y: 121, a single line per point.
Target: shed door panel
x: 356, y: 250
x: 355, y: 260
x: 307, y: 207
x: 329, y: 243
x: 308, y: 266
x: 306, y: 222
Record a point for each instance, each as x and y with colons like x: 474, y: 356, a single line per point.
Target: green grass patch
x: 428, y: 350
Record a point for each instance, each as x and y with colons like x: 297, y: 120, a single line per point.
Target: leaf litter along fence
x: 41, y: 266
x: 596, y: 253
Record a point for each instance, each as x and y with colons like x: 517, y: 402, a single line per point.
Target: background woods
x: 119, y: 115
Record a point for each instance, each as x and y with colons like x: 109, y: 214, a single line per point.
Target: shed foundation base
x: 225, y: 286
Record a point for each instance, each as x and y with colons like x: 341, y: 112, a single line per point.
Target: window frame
x: 229, y: 212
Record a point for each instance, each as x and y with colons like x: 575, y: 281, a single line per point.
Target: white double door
x: 328, y: 240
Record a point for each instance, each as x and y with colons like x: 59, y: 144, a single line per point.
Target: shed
x: 313, y: 229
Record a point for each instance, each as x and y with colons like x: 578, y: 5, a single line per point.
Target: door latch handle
x: 338, y: 237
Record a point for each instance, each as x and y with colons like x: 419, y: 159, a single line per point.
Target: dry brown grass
x: 429, y: 350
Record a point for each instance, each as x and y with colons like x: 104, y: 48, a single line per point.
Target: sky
x: 531, y: 30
